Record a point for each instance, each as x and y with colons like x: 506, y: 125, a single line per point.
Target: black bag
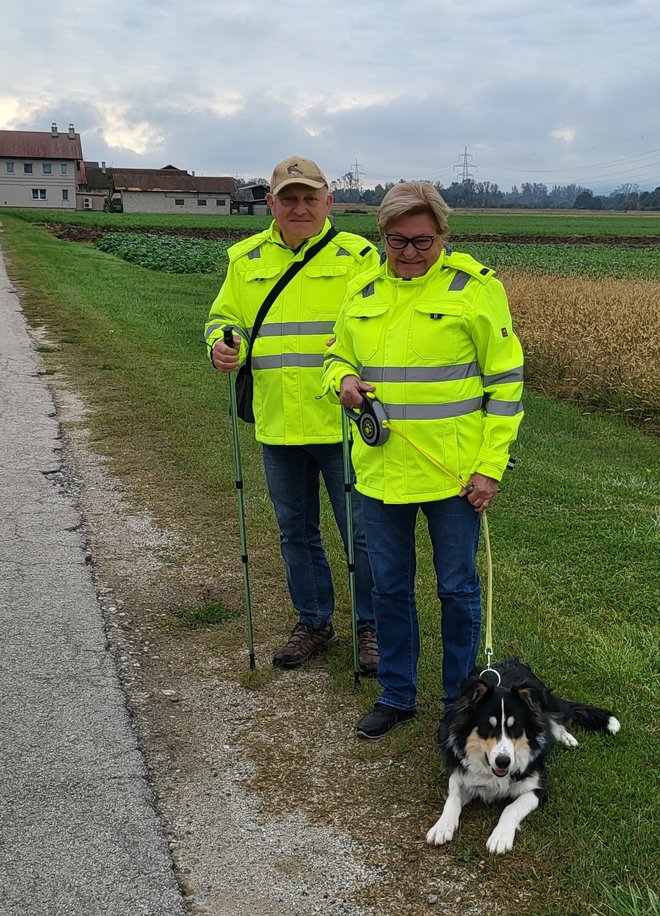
x: 244, y: 392
x: 244, y: 378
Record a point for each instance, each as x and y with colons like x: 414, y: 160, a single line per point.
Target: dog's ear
x: 481, y: 688
x: 526, y: 694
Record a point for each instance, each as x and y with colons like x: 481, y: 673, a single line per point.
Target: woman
x: 429, y: 333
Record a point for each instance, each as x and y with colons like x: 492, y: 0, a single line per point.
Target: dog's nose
x: 502, y: 761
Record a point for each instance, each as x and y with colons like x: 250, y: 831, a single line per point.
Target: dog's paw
x: 501, y: 839
x: 567, y: 738
x: 441, y: 832
x: 613, y: 725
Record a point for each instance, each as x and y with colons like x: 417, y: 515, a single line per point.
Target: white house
x: 40, y: 169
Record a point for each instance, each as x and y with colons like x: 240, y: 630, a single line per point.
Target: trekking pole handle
x: 228, y: 338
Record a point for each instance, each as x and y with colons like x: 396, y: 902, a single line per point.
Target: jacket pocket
x: 261, y: 273
x: 365, y: 325
x: 437, y: 328
x: 325, y: 288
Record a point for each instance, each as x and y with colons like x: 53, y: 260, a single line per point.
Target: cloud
x: 567, y: 134
x: 543, y: 92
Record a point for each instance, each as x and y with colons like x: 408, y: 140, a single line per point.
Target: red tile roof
x: 34, y: 144
x: 168, y: 180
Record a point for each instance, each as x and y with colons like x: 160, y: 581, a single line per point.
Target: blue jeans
x: 390, y: 532
x: 293, y: 476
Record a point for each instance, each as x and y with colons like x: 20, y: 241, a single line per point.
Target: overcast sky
x: 561, y: 92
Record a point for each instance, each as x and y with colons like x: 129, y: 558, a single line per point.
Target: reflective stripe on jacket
x: 287, y: 357
x: 447, y: 366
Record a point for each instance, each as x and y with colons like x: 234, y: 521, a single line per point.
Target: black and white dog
x: 496, y: 739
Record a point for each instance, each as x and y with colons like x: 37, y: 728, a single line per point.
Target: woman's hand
x: 352, y: 391
x: 480, y: 491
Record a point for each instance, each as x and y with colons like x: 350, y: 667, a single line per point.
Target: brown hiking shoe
x: 368, y: 652
x: 302, y: 644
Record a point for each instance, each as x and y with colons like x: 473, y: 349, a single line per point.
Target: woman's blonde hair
x: 409, y: 197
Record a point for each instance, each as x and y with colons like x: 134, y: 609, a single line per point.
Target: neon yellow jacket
x: 447, y: 367
x: 287, y: 357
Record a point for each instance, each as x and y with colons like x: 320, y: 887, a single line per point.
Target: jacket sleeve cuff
x: 333, y: 377
x: 491, y: 463
x: 217, y: 335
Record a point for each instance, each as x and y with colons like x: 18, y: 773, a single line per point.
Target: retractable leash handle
x: 228, y: 340
x: 370, y: 420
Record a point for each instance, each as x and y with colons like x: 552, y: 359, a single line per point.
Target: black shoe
x: 302, y: 644
x: 381, y: 720
x: 368, y: 652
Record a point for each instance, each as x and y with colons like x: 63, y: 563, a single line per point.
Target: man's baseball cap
x: 296, y: 170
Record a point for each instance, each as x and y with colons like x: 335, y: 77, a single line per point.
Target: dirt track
x: 94, y: 233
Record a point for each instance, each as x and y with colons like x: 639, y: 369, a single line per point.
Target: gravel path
x: 229, y: 857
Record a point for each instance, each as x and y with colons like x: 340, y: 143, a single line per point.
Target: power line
x: 465, y: 166
x: 356, y: 171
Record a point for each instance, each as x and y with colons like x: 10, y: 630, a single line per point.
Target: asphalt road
x: 78, y: 831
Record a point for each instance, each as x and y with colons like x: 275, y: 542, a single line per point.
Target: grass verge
x: 575, y: 536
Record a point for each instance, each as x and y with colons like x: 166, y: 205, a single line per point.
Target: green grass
x: 593, y: 261
x: 629, y: 900
x: 463, y: 224
x: 575, y: 537
x: 208, y: 614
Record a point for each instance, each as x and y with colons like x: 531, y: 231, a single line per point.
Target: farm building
x: 40, y: 168
x: 166, y: 190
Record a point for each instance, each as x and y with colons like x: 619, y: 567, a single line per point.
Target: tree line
x: 482, y: 194
x: 531, y: 195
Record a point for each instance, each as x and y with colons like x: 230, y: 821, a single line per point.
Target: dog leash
x: 371, y: 421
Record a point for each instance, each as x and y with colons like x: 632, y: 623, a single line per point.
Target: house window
x: 201, y: 202
x: 38, y: 194
x: 10, y: 168
x: 178, y: 201
x: 65, y: 193
x: 63, y: 168
x: 27, y: 168
x: 219, y: 203
x: 48, y: 168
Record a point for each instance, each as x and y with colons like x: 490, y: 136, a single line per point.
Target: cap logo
x: 294, y: 170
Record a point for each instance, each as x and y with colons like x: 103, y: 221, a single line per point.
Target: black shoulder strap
x: 279, y: 286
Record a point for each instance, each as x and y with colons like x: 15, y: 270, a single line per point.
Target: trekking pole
x: 350, y: 547
x: 228, y: 340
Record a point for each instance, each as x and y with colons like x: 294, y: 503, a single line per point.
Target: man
x: 300, y: 433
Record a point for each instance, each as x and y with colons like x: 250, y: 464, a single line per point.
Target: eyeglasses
x: 419, y: 242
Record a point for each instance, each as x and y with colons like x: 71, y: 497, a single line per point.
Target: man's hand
x: 480, y: 491
x: 224, y: 358
x: 352, y: 391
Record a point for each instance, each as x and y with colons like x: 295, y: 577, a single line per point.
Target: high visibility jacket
x: 447, y: 367
x: 287, y: 357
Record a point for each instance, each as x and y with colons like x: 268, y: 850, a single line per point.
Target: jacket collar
x: 275, y: 236
x: 418, y: 281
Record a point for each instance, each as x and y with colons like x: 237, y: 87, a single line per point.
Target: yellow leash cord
x: 488, y: 641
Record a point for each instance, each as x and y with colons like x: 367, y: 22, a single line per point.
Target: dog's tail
x: 590, y: 718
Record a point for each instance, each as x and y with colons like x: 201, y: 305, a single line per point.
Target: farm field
x: 186, y: 254
x: 564, y: 224
x: 575, y: 538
